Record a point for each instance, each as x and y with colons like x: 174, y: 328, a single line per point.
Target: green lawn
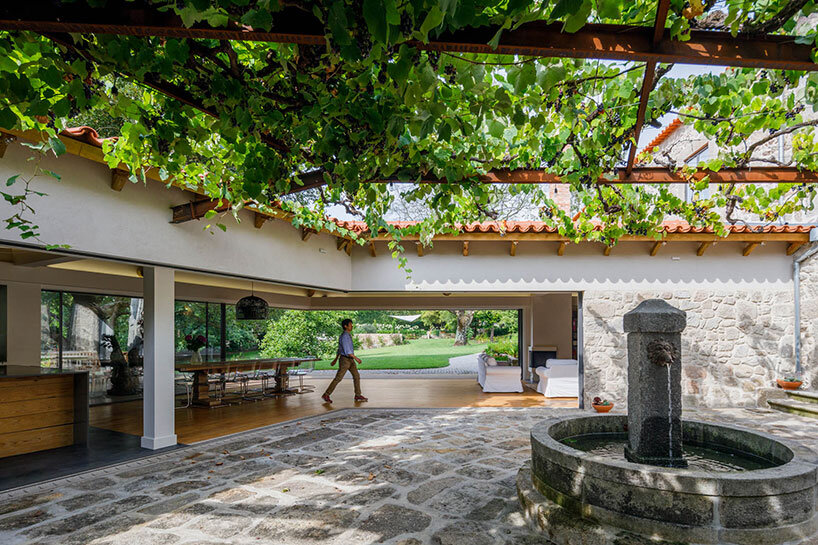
x: 417, y: 354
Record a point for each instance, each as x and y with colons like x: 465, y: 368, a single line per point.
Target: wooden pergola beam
x: 639, y: 175
x: 656, y: 246
x: 372, y: 250
x: 607, y: 251
x: 703, y: 247
x: 647, y: 82
x: 512, y: 251
x: 420, y: 249
x: 561, y: 249
x: 538, y: 38
x: 466, y: 248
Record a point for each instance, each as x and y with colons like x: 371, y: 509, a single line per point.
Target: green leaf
x: 565, y: 8
x: 7, y: 118
x: 496, y: 128
x: 11, y: 180
x: 258, y: 18
x: 57, y: 145
x: 375, y: 17
x: 579, y: 18
x: 609, y: 9
x: 338, y: 24
x: 433, y: 19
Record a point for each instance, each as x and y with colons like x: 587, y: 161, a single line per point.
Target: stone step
x: 794, y: 407
x: 803, y: 395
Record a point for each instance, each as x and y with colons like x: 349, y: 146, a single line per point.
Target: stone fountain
x: 652, y: 477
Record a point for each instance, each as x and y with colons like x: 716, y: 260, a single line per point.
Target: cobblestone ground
x: 355, y: 476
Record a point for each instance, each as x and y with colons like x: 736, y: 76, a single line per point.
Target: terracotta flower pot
x: 789, y: 385
x: 602, y: 408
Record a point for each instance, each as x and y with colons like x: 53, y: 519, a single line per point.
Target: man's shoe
x: 326, y: 398
x: 360, y: 398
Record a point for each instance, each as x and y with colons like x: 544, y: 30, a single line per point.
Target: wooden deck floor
x: 198, y: 424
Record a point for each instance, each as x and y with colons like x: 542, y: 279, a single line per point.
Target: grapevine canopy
x: 301, y: 107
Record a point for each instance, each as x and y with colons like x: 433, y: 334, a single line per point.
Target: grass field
x: 417, y: 354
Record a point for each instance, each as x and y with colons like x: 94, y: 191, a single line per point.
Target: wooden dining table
x: 202, y: 392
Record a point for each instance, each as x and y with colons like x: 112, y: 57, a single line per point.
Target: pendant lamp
x: 251, y: 307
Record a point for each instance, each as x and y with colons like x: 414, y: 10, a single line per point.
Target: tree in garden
x: 463, y: 320
x: 299, y: 333
x: 246, y: 122
x: 436, y: 319
x: 487, y: 321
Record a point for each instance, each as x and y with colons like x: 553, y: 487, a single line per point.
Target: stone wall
x: 809, y: 322
x: 736, y: 341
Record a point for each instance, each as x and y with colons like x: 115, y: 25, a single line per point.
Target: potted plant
x: 789, y: 382
x: 195, y: 344
x: 601, y: 405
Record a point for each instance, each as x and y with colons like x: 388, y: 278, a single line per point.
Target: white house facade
x: 738, y: 291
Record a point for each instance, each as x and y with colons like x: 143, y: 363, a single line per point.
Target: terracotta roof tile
x: 85, y: 134
x: 672, y: 226
x: 664, y: 135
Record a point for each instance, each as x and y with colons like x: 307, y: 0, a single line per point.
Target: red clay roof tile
x: 671, y: 226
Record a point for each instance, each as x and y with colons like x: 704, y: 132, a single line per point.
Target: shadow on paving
x: 357, y: 476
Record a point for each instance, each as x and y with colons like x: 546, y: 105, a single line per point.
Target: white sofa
x: 497, y: 378
x: 559, y: 378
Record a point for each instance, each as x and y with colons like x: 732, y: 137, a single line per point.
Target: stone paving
x: 351, y: 477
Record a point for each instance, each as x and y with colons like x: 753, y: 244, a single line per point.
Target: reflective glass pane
x: 50, y: 329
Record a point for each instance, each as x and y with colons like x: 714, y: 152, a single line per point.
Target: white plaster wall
x: 22, y: 323
x: 84, y: 212
x: 551, y: 322
x: 538, y: 268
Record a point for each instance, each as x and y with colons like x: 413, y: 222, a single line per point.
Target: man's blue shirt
x: 345, y: 347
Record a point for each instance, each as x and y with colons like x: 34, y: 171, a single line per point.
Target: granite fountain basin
x: 577, y: 497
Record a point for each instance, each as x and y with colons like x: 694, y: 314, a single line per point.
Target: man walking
x: 347, y: 360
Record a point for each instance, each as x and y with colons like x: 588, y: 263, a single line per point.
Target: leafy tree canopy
x: 367, y: 105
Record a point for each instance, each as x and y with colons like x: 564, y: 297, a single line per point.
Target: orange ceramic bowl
x: 789, y: 385
x: 603, y: 408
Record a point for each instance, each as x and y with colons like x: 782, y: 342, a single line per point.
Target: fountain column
x: 654, y: 331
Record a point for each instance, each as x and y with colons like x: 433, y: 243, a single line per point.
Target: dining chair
x: 302, y: 371
x: 184, y: 380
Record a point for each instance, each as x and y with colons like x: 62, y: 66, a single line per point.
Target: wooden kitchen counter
x: 41, y: 409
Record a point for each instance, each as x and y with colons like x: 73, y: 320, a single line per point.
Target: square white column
x: 158, y: 428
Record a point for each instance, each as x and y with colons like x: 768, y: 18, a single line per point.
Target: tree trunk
x: 464, y: 318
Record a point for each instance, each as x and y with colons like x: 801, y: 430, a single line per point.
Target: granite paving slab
x: 351, y: 477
